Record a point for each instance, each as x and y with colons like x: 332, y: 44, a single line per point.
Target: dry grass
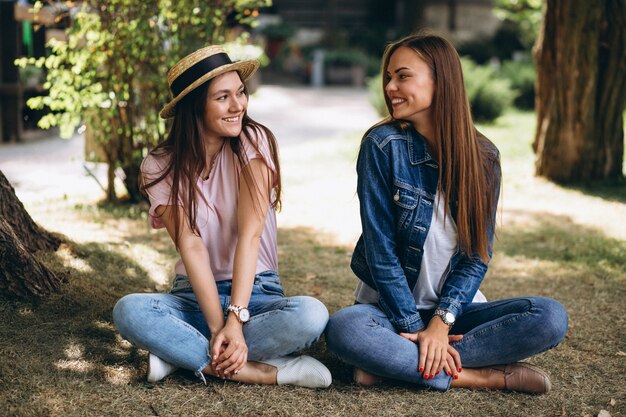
x: 62, y: 357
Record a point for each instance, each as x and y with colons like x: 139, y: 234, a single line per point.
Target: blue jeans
x: 494, y: 333
x: 172, y: 326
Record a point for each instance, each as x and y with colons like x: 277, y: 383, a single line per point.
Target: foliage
x: 502, y: 45
x: 522, y: 75
x: 376, y: 95
x: 488, y: 95
x: 478, y: 50
x: 526, y: 13
x: 110, y: 71
x: 30, y: 74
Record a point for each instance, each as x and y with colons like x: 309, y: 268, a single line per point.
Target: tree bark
x: 581, y: 90
x: 21, y: 273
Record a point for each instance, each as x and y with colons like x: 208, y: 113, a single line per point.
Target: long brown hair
x: 187, y: 156
x: 468, y: 160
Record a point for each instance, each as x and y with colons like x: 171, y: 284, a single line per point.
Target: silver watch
x: 446, y: 316
x: 241, y: 313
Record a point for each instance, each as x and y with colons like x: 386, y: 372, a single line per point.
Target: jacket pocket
x: 405, y: 202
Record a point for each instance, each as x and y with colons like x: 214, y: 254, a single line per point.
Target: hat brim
x: 245, y: 69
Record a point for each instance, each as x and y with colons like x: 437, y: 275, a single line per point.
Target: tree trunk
x: 21, y: 274
x: 581, y: 90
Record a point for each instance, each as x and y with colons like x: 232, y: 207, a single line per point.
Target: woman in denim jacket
x: 428, y: 185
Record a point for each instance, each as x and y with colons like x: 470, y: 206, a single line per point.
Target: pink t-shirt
x: 217, y: 216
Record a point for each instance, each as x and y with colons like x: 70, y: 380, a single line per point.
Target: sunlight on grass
x: 25, y: 312
x: 158, y: 266
x: 71, y: 261
x: 118, y: 375
x: 75, y: 365
x: 103, y: 325
x: 74, y: 351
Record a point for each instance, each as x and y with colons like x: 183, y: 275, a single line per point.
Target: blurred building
x: 458, y: 20
x: 24, y: 34
x: 341, y: 41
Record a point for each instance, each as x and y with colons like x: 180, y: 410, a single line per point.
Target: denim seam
x: 156, y: 306
x: 496, y: 325
x: 258, y: 318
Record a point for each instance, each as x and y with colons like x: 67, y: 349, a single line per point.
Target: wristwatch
x: 446, y: 316
x: 241, y: 313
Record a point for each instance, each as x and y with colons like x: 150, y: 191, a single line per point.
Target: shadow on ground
x: 609, y: 191
x: 63, y: 357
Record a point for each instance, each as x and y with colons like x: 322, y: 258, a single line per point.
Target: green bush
x: 522, y: 76
x: 478, y: 50
x: 488, y: 95
x: 109, y: 73
x: 376, y: 96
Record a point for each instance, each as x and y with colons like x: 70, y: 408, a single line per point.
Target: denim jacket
x: 397, y: 184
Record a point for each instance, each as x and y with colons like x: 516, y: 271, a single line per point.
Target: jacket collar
x: 418, y: 149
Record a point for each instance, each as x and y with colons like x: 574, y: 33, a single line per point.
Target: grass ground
x: 62, y: 356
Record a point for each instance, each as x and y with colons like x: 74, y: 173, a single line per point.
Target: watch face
x: 244, y: 315
x: 450, y: 318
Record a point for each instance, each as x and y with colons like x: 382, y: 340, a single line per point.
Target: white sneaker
x: 158, y: 368
x: 302, y: 371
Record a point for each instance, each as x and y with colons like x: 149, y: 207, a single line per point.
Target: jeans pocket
x: 181, y: 284
x: 272, y: 287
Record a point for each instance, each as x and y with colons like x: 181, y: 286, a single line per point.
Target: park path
x: 302, y: 118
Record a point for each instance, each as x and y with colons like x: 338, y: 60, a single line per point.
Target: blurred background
x: 81, y: 86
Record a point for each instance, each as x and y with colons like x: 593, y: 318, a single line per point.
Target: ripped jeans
x: 172, y: 326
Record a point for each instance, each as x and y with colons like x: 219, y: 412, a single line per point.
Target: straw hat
x: 199, y: 67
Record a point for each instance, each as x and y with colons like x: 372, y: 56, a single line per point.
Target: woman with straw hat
x: 214, y: 184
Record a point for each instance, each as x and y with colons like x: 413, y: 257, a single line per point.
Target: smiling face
x: 410, y: 87
x: 225, y: 106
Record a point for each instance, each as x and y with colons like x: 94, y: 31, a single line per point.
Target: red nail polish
x: 425, y: 376
x: 431, y: 376
x: 456, y: 377
x: 437, y: 373
x: 460, y: 369
x: 449, y: 373
x: 422, y: 369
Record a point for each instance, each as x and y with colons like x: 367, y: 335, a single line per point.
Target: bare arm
x: 253, y: 205
x: 197, y: 264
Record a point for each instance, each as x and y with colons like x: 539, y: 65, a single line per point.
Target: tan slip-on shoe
x: 524, y: 377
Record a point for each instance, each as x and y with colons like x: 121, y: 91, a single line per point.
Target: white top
x: 440, y: 245
x: 216, y: 216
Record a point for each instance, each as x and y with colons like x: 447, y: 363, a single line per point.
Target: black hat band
x: 197, y: 70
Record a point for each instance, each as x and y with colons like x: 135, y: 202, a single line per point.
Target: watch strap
x: 445, y: 316
x: 237, y: 311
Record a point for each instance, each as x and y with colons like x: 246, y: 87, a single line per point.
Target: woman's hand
x: 453, y: 360
x: 435, y: 352
x: 229, y: 351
